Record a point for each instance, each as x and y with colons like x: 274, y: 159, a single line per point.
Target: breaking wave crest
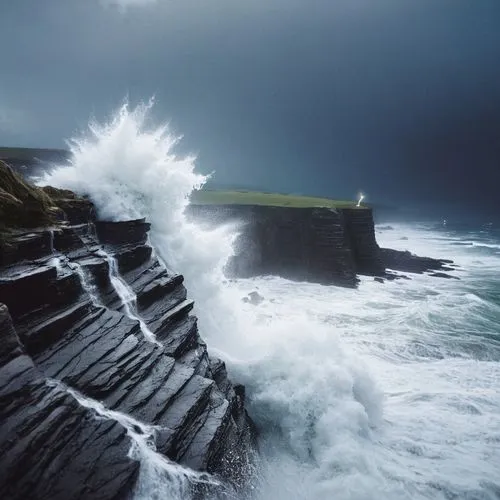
x: 357, y: 394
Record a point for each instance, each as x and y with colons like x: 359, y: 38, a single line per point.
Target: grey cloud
x: 125, y: 4
x: 319, y: 96
x: 14, y: 121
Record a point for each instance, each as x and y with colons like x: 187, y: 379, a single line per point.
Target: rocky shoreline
x: 69, y: 328
x: 321, y: 245
x: 102, y: 369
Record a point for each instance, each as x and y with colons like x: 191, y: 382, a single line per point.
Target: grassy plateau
x: 206, y: 197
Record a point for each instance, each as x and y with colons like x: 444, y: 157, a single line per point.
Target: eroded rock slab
x: 405, y: 261
x: 70, y: 327
x: 50, y: 446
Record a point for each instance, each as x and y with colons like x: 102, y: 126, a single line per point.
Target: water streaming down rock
x: 158, y: 476
x: 127, y: 296
x: 303, y: 351
x: 51, y: 240
x: 57, y: 332
x: 86, y: 283
x: 57, y: 263
x: 151, y: 181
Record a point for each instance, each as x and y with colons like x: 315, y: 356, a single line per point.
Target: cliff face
x: 359, y: 231
x: 329, y: 246
x: 322, y: 245
x: 69, y: 324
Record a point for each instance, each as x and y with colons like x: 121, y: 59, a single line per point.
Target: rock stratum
x: 90, y: 318
x: 102, y: 367
x: 331, y: 246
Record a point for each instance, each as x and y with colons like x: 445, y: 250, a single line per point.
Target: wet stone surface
x: 56, y: 327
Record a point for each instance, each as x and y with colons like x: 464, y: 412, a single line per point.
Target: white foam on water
x: 389, y: 391
x: 130, y: 169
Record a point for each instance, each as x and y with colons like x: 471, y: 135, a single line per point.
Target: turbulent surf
x: 388, y: 391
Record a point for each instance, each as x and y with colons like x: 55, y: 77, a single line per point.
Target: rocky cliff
x: 296, y: 243
x: 323, y: 245
x: 99, y: 353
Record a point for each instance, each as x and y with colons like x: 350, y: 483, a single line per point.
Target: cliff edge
x: 331, y: 243
x: 102, y: 368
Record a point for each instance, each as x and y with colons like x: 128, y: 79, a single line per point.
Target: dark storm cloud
x: 397, y: 97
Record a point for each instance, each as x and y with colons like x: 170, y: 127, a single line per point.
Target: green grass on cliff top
x: 207, y: 197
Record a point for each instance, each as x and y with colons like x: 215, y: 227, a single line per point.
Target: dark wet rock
x: 97, y: 268
x: 123, y: 232
x: 51, y: 447
x: 22, y: 245
x: 323, y: 245
x: 78, y: 210
x: 180, y: 337
x: 25, y: 287
x: 16, y: 368
x: 130, y: 257
x: 219, y: 374
x: 405, y: 261
x: 309, y: 244
x: 10, y: 347
x: 378, y: 279
x: 443, y: 275
x: 197, y: 359
x: 38, y: 332
x: 157, y: 289
x: 328, y: 254
x: 254, y: 298
x: 360, y: 235
x: 80, y: 336
x: 21, y: 204
x: 66, y: 238
x: 391, y: 276
x: 182, y: 413
x: 209, y: 431
x: 61, y: 451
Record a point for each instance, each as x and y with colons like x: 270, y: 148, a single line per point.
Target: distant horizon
x: 399, y: 99
x: 383, y: 211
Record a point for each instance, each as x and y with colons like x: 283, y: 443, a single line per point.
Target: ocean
x: 389, y: 391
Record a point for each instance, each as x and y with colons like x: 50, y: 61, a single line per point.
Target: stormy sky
x: 399, y: 98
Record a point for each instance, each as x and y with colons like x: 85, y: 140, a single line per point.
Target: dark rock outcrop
x: 62, y: 322
x: 360, y: 232
x: 323, y: 245
x: 127, y: 232
x: 77, y: 209
x: 52, y: 447
x: 305, y: 244
x: 22, y: 204
x: 404, y: 261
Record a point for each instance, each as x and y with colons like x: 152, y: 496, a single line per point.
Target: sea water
x: 389, y: 391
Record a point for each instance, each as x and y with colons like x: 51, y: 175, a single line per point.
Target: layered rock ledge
x: 331, y: 246
x: 66, y: 331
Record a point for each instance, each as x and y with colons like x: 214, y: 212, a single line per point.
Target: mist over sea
x: 389, y: 391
